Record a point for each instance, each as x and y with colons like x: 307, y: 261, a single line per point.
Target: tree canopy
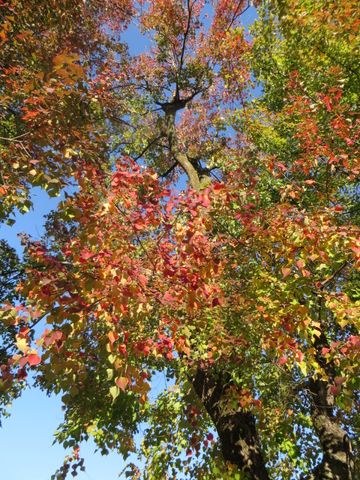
x: 209, y: 232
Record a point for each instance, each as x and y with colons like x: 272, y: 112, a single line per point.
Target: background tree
x: 242, y: 285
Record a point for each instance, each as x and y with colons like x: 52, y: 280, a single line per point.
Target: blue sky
x: 26, y: 450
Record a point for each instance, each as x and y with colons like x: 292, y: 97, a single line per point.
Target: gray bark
x: 237, y: 431
x: 337, y: 463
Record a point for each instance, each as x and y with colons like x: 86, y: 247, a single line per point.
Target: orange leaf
x: 122, y: 382
x: 113, y: 336
x: 286, y: 271
x: 300, y: 263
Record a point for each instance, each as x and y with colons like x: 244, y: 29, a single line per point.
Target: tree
x: 213, y: 236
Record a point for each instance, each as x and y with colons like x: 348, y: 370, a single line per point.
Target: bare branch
x: 334, y: 275
x: 237, y: 14
x: 169, y: 170
x: 14, y: 138
x: 149, y: 145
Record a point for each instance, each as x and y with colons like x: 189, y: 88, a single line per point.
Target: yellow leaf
x: 342, y: 322
x: 69, y: 152
x: 303, y: 368
x: 114, y: 392
x: 22, y: 345
x: 65, y: 59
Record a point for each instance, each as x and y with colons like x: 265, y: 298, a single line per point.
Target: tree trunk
x: 237, y: 431
x: 337, y: 463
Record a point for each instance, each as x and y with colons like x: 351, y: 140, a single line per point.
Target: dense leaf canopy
x: 209, y: 233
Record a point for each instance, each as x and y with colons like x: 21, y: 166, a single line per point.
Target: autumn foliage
x: 209, y: 231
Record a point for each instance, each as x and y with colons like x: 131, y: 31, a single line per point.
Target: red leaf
x: 168, y: 299
x: 282, y: 360
x: 30, y: 114
x: 34, y: 359
x: 217, y: 302
x: 86, y: 255
x: 335, y: 390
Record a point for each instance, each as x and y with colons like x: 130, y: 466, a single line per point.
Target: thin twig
x: 14, y: 138
x: 237, y: 14
x: 334, y: 275
x: 150, y: 144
